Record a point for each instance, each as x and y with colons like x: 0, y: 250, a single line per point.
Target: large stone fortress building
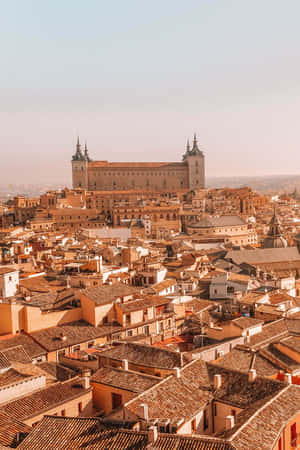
x: 130, y: 176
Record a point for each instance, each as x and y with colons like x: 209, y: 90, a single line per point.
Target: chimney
x: 217, y: 381
x: 288, y: 378
x: 229, y: 422
x: 145, y: 413
x: 125, y: 364
x: 86, y: 379
x: 177, y: 372
x: 152, y: 435
x: 251, y: 375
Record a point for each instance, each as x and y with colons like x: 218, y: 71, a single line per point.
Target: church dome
x: 277, y: 242
x: 275, y: 237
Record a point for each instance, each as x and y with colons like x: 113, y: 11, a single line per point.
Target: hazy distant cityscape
x: 265, y: 184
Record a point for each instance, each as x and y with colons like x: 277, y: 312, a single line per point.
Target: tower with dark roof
x: 274, y: 237
x: 80, y: 167
x: 194, y: 158
x: 86, y: 154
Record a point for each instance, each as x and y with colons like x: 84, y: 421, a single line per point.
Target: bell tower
x: 195, y: 160
x: 80, y: 163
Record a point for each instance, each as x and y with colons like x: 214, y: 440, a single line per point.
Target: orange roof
x: 141, y: 165
x: 172, y: 340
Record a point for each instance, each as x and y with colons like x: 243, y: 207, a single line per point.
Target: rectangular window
x: 80, y: 407
x: 116, y: 337
x: 127, y: 319
x: 60, y: 353
x: 205, y: 420
x: 129, y: 333
x: 193, y: 426
x: 63, y: 413
x: 116, y: 400
x: 146, y: 330
x: 76, y: 348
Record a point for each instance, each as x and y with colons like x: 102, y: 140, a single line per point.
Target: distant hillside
x: 268, y: 184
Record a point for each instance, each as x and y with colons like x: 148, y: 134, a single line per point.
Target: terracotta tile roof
x: 11, y: 376
x: 198, y: 305
x: 176, y: 398
x: 239, y: 278
x: 293, y: 326
x: 279, y: 297
x: 146, y: 302
x: 261, y: 430
x: 292, y: 342
x: 143, y: 354
x: 243, y: 359
x: 93, y: 433
x: 53, y: 300
x: 16, y: 354
x: 159, y: 287
x: 237, y: 390
x: 136, y: 305
x: 265, y: 255
x: 282, y: 269
x: 9, y: 430
x: 278, y: 358
x: 271, y: 332
x: 61, y: 373
x: 4, y: 362
x: 38, y: 284
x: 103, y: 295
x: 222, y: 221
x: 247, y: 322
x: 44, y: 399
x: 251, y: 298
x: 134, y: 165
x: 72, y: 333
x: 32, y: 348
x: 124, y: 379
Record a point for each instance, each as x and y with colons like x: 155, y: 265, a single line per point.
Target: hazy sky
x: 136, y: 78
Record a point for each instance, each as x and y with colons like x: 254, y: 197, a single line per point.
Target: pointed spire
x: 78, y: 146
x: 86, y: 154
x: 78, y: 154
x: 188, y: 146
x: 195, y: 144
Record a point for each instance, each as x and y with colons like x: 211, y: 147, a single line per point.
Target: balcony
x: 163, y: 314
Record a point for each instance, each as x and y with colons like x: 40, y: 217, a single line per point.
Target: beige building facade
x: 151, y: 176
